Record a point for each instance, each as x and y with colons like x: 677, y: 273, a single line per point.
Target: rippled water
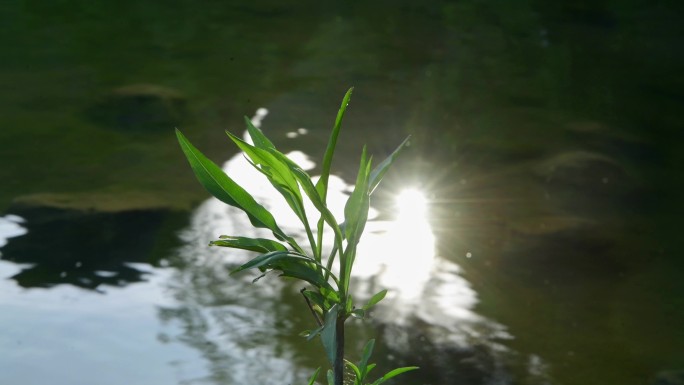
x: 544, y: 145
x: 177, y: 320
x: 396, y: 254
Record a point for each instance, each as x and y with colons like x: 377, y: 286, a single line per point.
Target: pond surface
x: 527, y: 236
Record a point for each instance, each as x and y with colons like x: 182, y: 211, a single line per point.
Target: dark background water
x: 545, y: 134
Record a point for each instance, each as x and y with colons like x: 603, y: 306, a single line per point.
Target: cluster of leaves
x: 329, y: 300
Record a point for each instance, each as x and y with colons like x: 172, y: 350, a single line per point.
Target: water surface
x: 544, y: 144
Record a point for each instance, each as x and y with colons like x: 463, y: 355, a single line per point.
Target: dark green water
x: 545, y: 136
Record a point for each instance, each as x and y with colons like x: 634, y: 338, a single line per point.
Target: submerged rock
x: 669, y: 377
x: 581, y: 169
x: 589, y: 184
x: 140, y: 107
x: 600, y: 137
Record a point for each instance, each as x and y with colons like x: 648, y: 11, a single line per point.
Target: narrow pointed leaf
x: 381, y: 169
x: 355, y: 369
x: 358, y: 203
x: 328, y: 335
x: 304, y: 271
x: 277, y: 171
x: 322, y: 185
x: 355, y: 217
x: 312, y: 380
x: 315, y: 297
x: 314, y: 333
x: 270, y: 259
x: 365, y: 356
x: 260, y: 140
x: 377, y: 297
x: 260, y: 245
x: 349, y: 306
x: 310, y: 191
x: 225, y: 189
x: 394, y: 373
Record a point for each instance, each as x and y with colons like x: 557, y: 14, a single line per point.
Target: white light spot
x: 303, y: 160
x: 412, y: 205
x: 10, y: 227
x: 259, y: 116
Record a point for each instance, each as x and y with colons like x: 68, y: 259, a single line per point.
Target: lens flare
x: 412, y: 204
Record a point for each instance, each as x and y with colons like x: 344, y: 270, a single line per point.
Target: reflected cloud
x: 10, y: 227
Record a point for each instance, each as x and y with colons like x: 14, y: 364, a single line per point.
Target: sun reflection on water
x: 399, y: 253
x: 424, y: 290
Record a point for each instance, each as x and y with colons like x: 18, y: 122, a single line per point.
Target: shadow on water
x: 87, y: 249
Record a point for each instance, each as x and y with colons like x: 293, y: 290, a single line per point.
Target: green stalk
x: 331, y: 259
x: 312, y: 242
x: 319, y: 234
x: 338, y: 366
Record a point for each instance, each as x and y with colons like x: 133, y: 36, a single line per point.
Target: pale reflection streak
x: 10, y: 227
x: 400, y: 255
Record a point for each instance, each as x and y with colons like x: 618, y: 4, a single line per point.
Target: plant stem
x: 338, y: 367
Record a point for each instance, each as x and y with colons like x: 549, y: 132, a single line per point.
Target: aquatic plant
x: 328, y: 297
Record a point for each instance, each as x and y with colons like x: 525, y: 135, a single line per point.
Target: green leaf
x: 322, y: 185
x: 310, y: 191
x: 356, y: 371
x: 291, y: 265
x: 358, y: 313
x: 277, y: 172
x: 312, y: 380
x: 260, y: 140
x: 358, y: 203
x: 349, y: 305
x: 329, y: 333
x: 330, y: 295
x: 381, y: 169
x: 355, y: 217
x: 377, y: 297
x: 314, y: 333
x: 226, y: 190
x: 394, y: 373
x: 271, y: 258
x: 365, y: 356
x: 260, y: 245
x: 304, y: 272
x: 331, y: 377
x: 315, y: 297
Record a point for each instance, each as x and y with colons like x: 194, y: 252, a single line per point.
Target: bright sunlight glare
x: 411, y: 204
x: 401, y: 252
